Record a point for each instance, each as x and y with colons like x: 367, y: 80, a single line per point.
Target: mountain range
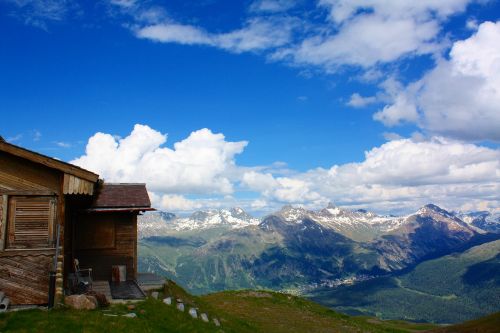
x: 301, y: 251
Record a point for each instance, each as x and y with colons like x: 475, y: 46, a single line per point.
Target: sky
x: 385, y: 105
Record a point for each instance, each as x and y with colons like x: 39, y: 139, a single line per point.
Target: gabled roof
x: 48, y: 161
x: 121, y: 197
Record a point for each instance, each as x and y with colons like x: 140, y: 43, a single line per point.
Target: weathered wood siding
x: 27, y: 221
x: 106, y: 239
x: 19, y: 174
x: 24, y: 277
x: 75, y: 185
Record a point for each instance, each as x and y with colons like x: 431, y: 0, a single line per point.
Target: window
x: 30, y: 222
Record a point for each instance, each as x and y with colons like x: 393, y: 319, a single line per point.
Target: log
x: 4, y: 304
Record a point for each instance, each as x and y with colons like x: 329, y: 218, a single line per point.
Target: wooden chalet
x: 39, y: 196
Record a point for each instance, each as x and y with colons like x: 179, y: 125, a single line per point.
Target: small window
x: 31, y: 221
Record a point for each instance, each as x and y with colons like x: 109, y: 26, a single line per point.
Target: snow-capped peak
x: 156, y: 224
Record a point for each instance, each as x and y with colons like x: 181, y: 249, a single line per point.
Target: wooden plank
x: 21, y: 174
x: 27, y: 192
x: 3, y: 220
x: 28, y: 252
x: 66, y: 183
x: 12, y: 182
x: 71, y: 184
x: 76, y: 186
x: 49, y: 162
x: 25, y: 280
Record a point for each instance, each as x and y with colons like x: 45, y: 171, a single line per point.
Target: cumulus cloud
x: 200, y: 163
x: 177, y: 203
x: 460, y: 97
x: 399, y: 175
x: 282, y: 189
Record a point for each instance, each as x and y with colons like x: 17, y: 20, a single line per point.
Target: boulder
x: 168, y: 300
x: 216, y: 322
x: 193, y: 313
x: 204, y: 317
x: 81, y: 302
x: 180, y: 306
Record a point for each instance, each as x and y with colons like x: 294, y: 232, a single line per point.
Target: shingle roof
x: 122, y: 196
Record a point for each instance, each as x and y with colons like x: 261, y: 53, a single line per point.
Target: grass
x: 488, y: 324
x: 275, y: 312
x: 242, y: 312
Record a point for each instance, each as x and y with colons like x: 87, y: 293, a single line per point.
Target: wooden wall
x: 24, y: 276
x: 19, y: 174
x: 106, y: 239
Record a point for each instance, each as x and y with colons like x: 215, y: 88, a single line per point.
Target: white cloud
x: 389, y: 136
x: 124, y: 3
x: 460, y: 97
x: 174, y: 33
x: 15, y: 138
x: 358, y: 101
x: 399, y: 175
x: 178, y: 203
x: 257, y: 34
x: 38, y: 12
x: 272, y: 6
x: 402, y: 110
x: 367, y: 33
x: 63, y: 144
x: 37, y: 135
x: 200, y: 163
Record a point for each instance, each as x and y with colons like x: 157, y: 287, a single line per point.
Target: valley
x: 352, y: 261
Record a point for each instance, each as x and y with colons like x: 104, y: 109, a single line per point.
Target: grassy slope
x: 450, y: 289
x: 244, y: 311
x: 279, y: 313
x: 488, y: 324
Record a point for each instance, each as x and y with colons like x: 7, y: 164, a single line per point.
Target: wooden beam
x: 48, y: 161
x: 3, y: 221
x: 27, y: 192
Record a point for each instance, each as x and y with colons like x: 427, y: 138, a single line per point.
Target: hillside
x: 294, y: 249
x: 449, y: 289
x: 244, y: 311
x: 488, y: 324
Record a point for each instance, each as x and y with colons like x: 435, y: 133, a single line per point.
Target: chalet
x: 55, y: 216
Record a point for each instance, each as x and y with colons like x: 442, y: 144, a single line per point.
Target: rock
x: 216, y: 322
x: 81, y: 302
x: 131, y: 307
x: 130, y: 315
x: 204, y: 317
x: 193, y: 313
x: 180, y: 306
x: 168, y: 300
x: 154, y: 294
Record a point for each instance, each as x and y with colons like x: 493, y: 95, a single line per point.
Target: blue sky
x: 357, y: 102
